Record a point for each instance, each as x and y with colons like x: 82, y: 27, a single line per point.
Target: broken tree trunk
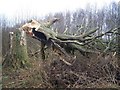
x: 20, y: 50
x: 17, y: 56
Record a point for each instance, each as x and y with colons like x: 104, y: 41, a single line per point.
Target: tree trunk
x: 20, y: 50
x: 118, y: 36
x: 62, y: 42
x: 18, y: 56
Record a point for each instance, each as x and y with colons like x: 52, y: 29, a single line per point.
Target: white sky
x: 13, y: 8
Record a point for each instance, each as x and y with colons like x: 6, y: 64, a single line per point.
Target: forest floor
x: 83, y: 73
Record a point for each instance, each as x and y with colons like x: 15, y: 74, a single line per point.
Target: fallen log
x: 61, y: 41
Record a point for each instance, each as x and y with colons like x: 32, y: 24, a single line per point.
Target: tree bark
x: 64, y: 42
x: 17, y: 56
x: 118, y: 36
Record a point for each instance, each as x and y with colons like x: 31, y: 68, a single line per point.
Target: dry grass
x: 92, y: 72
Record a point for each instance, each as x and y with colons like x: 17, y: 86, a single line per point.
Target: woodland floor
x: 85, y: 72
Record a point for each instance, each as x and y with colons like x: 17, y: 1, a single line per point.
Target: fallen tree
x: 63, y: 42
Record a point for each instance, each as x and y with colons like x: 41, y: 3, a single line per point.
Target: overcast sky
x: 12, y: 8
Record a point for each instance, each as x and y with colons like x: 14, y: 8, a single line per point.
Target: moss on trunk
x: 17, y: 56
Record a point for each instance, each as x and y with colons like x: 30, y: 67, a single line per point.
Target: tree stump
x: 17, y: 56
